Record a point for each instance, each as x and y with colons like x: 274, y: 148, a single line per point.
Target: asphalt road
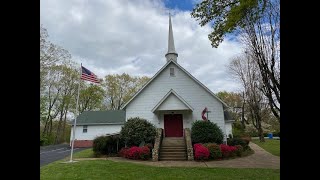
x: 49, y: 154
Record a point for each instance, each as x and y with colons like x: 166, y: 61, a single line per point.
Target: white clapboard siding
x: 188, y: 89
x: 94, y: 131
x: 229, y: 128
x: 172, y: 102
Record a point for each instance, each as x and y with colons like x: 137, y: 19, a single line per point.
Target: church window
x: 85, y: 129
x: 172, y: 72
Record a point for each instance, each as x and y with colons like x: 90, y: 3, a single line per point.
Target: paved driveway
x: 49, y: 154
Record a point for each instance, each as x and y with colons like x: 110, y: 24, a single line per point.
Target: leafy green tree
x: 258, y: 22
x: 238, y: 106
x: 91, y: 97
x: 227, y: 16
x: 120, y: 88
x: 57, y: 87
x: 68, y: 82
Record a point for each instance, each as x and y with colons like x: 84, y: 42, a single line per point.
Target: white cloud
x: 111, y: 37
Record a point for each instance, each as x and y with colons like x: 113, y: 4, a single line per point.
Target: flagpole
x: 76, y: 114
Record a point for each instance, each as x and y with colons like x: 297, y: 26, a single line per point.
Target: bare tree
x: 246, y: 71
x: 262, y: 41
x: 50, y: 54
x: 52, y: 92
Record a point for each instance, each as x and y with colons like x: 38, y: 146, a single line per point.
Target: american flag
x: 88, y: 75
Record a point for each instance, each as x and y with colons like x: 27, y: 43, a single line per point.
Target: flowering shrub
x: 239, y: 141
x: 144, y: 153
x: 201, y: 152
x: 149, y: 145
x: 227, y: 151
x: 239, y: 150
x: 214, y: 149
x: 123, y: 152
x: 135, y: 152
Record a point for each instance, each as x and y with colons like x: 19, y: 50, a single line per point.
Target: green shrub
x: 238, y: 141
x: 239, y: 150
x: 144, y: 153
x: 106, y: 145
x: 247, y: 151
x: 237, y: 129
x: 205, y: 132
x: 137, y: 130
x: 99, y: 145
x: 214, y: 149
x: 46, y: 140
x: 43, y: 141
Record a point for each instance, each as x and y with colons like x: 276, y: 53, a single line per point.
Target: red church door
x: 173, y: 125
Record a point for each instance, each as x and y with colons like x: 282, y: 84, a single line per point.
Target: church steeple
x: 171, y: 54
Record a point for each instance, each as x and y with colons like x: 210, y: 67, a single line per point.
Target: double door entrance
x: 173, y: 125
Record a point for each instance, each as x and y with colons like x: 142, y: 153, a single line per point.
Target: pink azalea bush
x: 135, y: 152
x: 201, y: 152
x: 215, y: 151
x: 228, y: 151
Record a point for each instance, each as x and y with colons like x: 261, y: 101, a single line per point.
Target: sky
x: 122, y: 36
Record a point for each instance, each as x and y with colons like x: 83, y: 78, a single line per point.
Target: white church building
x: 172, y: 100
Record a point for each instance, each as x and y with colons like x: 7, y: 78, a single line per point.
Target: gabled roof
x: 196, y: 80
x: 101, y: 117
x: 172, y: 92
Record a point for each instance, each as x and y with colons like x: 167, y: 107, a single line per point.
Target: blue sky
x: 183, y: 5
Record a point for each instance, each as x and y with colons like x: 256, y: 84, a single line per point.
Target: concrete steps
x: 173, y: 149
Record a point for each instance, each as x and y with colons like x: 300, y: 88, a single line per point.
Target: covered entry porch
x: 173, y: 114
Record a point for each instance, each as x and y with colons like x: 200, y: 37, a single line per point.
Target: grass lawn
x: 271, y: 145
x: 88, y: 153
x: 105, y: 169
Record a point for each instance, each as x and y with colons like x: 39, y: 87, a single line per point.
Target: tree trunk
x: 58, y: 134
x: 261, y: 136
x: 242, y: 114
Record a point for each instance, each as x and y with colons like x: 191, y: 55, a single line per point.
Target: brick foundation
x: 83, y: 143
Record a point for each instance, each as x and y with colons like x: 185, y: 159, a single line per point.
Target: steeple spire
x: 171, y: 54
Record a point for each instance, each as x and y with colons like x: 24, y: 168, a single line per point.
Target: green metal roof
x: 102, y: 117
